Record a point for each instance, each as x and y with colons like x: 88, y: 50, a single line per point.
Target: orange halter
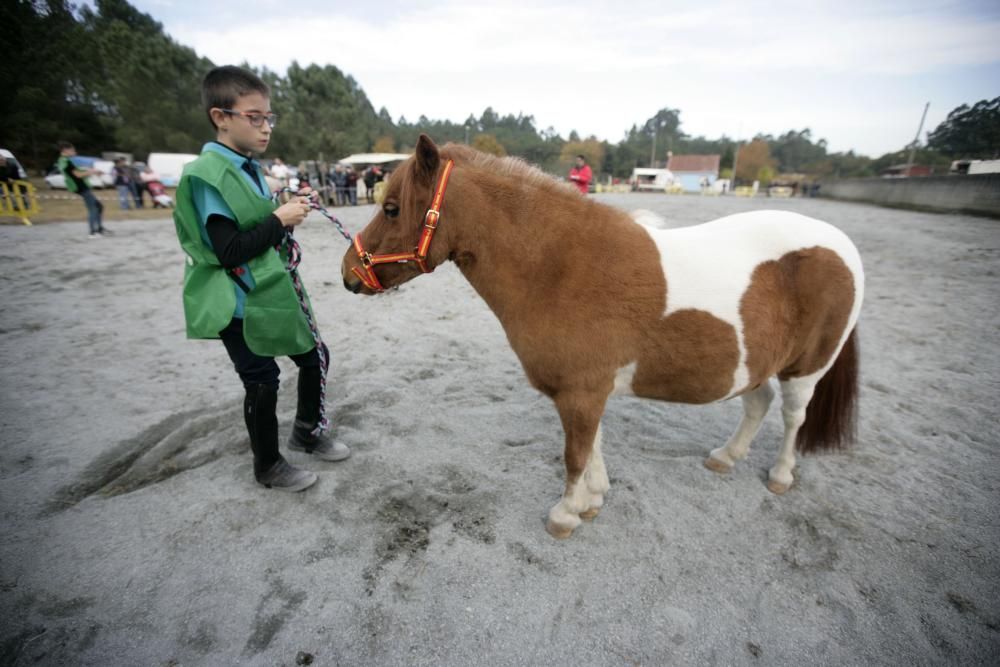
x: 418, y: 254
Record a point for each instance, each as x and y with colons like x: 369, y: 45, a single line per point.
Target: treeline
x: 110, y: 78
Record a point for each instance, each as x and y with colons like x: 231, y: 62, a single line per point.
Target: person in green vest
x: 236, y: 286
x: 76, y: 181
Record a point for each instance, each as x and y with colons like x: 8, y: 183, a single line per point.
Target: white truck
x: 656, y: 180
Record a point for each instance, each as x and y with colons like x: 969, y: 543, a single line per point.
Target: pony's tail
x: 831, y: 416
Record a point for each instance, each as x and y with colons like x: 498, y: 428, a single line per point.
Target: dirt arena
x: 133, y: 533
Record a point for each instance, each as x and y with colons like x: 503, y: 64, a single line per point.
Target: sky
x: 857, y: 74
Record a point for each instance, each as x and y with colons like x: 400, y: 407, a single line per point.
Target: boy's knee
x: 308, y: 359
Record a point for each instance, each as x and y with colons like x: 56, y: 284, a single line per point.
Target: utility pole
x: 736, y: 157
x: 916, y: 140
x: 652, y: 153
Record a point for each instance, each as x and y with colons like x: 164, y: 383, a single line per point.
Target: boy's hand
x: 308, y: 193
x: 293, y: 212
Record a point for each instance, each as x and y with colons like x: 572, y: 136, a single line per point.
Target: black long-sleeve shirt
x: 234, y: 247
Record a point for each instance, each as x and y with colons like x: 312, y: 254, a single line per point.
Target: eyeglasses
x: 255, y: 119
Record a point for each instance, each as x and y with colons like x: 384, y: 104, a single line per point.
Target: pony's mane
x: 513, y: 167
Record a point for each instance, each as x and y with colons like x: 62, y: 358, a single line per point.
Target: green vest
x: 66, y: 166
x: 273, y: 322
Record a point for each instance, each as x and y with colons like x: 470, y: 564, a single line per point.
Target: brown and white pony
x: 595, y: 303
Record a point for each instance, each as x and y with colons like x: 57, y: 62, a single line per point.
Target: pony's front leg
x: 581, y: 419
x: 595, y: 476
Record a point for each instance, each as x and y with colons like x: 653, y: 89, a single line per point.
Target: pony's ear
x: 427, y: 158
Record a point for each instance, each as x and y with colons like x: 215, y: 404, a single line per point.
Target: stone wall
x: 978, y: 194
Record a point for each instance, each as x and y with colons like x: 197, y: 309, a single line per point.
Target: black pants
x: 254, y: 369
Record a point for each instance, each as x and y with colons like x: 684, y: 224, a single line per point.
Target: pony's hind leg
x: 755, y: 405
x: 581, y: 418
x: 795, y: 396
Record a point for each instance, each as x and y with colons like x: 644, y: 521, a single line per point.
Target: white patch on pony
x: 708, y: 267
x: 595, y: 474
x: 649, y: 219
x: 623, y: 380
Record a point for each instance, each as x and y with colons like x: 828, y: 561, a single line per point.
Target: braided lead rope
x: 315, y: 205
x: 294, y: 252
x: 294, y: 257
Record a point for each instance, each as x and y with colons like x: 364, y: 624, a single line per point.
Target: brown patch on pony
x: 794, y: 313
x: 831, y: 417
x: 690, y: 357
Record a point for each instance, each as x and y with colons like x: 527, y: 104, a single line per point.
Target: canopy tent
x: 366, y: 159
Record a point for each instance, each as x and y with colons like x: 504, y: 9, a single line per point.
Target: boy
x: 76, y: 181
x: 235, y: 284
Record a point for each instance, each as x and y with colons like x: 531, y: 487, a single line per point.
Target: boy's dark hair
x: 582, y: 158
x: 63, y: 145
x: 224, y: 85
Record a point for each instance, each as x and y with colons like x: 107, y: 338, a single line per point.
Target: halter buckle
x: 432, y: 214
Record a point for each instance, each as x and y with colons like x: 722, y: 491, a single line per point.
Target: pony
x: 596, y: 303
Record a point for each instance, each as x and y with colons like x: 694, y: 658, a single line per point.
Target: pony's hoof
x: 588, y: 515
x: 777, y: 488
x: 715, y: 465
x: 558, y: 531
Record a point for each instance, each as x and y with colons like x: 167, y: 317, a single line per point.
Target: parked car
x: 56, y: 180
x: 168, y: 166
x: 10, y: 158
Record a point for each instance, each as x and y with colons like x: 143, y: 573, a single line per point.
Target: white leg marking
x: 566, y: 512
x: 586, y: 493
x: 595, y: 475
x: 755, y: 405
x: 795, y: 396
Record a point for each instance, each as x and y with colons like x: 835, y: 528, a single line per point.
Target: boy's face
x: 237, y: 132
x: 69, y: 151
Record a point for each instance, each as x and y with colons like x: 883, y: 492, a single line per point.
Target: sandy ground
x: 133, y: 533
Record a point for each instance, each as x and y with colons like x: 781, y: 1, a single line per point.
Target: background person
x: 279, y: 170
x: 352, y: 186
x: 76, y: 181
x: 123, y: 183
x: 581, y: 175
x: 369, y: 180
x: 10, y: 171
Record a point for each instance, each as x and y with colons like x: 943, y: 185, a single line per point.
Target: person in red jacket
x: 581, y: 174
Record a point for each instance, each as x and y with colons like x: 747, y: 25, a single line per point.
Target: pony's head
x: 398, y: 244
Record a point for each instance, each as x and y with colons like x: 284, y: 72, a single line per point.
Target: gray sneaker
x: 321, y: 447
x: 283, y: 476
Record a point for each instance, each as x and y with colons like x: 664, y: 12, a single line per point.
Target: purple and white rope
x: 294, y: 252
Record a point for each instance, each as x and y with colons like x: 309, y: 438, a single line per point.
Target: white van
x: 656, y: 180
x: 168, y: 166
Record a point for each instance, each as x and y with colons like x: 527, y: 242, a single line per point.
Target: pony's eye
x: 390, y: 210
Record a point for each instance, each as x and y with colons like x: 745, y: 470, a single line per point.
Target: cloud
x: 598, y: 68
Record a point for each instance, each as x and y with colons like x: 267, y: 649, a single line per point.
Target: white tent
x: 373, y: 158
